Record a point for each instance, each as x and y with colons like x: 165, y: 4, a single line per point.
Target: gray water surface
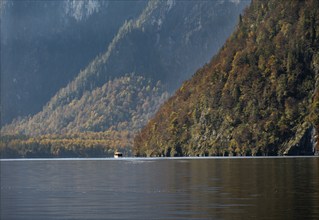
x: 255, y: 188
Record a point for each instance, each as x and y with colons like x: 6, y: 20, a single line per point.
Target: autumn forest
x: 257, y: 95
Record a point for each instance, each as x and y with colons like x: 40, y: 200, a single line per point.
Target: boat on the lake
x: 118, y: 154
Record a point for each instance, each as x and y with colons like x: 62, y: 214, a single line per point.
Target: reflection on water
x: 272, y: 188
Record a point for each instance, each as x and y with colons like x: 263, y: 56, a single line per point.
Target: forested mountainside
x: 44, y: 44
x: 166, y: 43
x: 258, y: 96
x: 125, y: 103
x: 100, y: 122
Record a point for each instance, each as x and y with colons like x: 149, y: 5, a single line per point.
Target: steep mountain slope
x: 44, y: 44
x: 125, y: 103
x: 166, y: 43
x: 258, y: 96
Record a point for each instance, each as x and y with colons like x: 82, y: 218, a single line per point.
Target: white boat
x: 118, y: 154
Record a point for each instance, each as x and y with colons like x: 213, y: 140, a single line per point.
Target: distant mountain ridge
x: 125, y: 103
x: 163, y: 46
x: 44, y: 44
x: 258, y: 96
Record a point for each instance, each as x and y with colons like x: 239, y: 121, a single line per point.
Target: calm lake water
x: 255, y: 188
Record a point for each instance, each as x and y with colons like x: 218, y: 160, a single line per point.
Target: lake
x: 206, y: 188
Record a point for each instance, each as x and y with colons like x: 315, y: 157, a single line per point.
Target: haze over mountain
x: 258, y: 96
x: 163, y: 46
x: 44, y: 44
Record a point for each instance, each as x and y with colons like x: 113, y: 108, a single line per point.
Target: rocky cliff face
x: 304, y: 143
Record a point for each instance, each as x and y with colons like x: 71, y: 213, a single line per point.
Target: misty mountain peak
x: 82, y: 9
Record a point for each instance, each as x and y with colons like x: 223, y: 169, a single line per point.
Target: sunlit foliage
x: 258, y: 96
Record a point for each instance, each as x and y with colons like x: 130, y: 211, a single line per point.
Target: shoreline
x: 155, y: 158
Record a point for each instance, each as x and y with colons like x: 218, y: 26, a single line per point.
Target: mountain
x: 258, y: 96
x: 119, y: 108
x: 44, y: 44
x: 162, y: 46
x: 125, y: 103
